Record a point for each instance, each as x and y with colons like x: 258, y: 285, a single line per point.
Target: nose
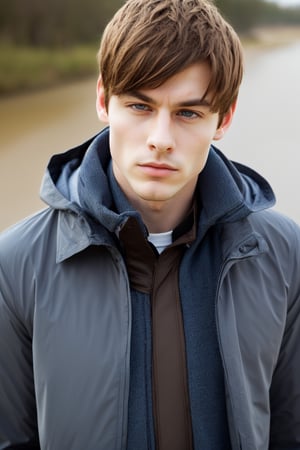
x: 161, y: 137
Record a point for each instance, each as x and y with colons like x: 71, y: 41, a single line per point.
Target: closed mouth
x: 158, y: 166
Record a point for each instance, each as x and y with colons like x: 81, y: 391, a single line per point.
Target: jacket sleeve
x: 18, y: 424
x: 285, y: 388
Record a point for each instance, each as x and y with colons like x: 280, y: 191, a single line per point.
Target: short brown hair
x: 148, y: 41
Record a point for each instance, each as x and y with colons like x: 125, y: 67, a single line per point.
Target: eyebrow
x: 186, y: 103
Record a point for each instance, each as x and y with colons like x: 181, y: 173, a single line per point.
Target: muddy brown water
x: 264, y: 133
x: 32, y: 128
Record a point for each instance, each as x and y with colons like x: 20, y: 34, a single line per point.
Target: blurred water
x: 264, y: 133
x: 32, y: 128
x: 265, y: 130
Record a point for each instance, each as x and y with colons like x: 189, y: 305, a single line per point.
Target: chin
x: 155, y: 197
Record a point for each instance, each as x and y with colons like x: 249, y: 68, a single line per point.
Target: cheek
x: 126, y: 139
x: 117, y: 133
x: 197, y: 163
x: 122, y: 146
x: 122, y: 127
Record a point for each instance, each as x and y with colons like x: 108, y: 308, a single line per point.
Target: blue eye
x: 140, y: 107
x: 188, y: 114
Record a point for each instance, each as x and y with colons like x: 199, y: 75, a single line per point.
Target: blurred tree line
x: 66, y: 22
x: 54, y: 22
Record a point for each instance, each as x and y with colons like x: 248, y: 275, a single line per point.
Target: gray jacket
x: 65, y: 321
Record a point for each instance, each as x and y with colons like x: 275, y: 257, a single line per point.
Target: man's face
x: 160, y: 138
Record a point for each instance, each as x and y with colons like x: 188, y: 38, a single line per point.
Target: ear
x: 226, y: 122
x: 100, y: 102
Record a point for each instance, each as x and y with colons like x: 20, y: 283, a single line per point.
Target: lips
x: 156, y: 169
x: 156, y: 165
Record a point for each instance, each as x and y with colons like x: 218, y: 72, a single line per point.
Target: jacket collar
x: 230, y: 191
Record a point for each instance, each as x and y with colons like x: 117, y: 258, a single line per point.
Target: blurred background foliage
x: 45, y: 41
x: 54, y: 22
x: 62, y: 23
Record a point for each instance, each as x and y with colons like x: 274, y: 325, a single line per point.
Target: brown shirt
x: 157, y: 275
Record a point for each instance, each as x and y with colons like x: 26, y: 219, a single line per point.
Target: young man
x: 155, y: 303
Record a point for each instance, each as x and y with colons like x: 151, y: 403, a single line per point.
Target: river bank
x: 263, y: 37
x: 25, y: 69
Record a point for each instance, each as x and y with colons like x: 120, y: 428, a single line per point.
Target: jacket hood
x: 229, y: 190
x: 81, y: 180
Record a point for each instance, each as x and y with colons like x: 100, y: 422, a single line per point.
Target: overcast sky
x: 287, y: 2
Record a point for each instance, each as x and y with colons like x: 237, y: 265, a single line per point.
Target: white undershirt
x: 160, y: 240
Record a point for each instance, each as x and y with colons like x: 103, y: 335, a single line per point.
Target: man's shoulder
x: 271, y: 222
x: 282, y: 235
x: 23, y: 236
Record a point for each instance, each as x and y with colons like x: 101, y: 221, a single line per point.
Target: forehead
x: 189, y: 83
